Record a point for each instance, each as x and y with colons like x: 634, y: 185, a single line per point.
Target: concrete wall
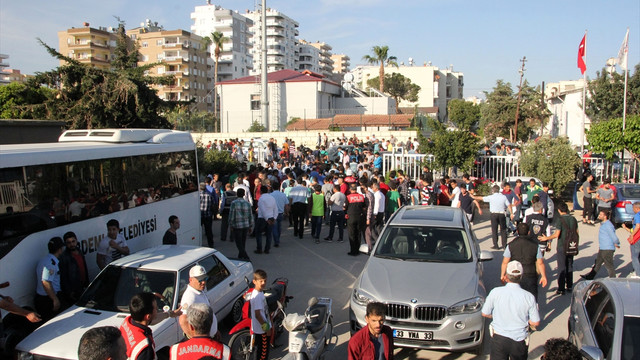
x: 307, y: 138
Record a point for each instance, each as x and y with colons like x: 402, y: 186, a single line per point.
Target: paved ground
x: 326, y: 270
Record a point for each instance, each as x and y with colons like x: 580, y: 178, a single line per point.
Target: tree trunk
x: 381, y: 76
x: 215, y: 97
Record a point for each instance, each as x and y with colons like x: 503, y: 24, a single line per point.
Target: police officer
x: 525, y: 249
x: 48, y: 291
x: 356, y: 207
x: 200, y: 344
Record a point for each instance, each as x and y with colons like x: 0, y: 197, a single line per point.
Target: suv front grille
x: 430, y: 313
x: 398, y: 311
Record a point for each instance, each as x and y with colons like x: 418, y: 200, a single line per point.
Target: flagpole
x: 584, y: 97
x: 624, y: 106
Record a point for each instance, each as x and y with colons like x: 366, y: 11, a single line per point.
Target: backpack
x: 571, y: 240
x: 433, y: 198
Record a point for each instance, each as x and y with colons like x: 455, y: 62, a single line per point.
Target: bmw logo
x: 414, y: 300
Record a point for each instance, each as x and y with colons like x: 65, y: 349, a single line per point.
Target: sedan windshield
x: 115, y: 286
x: 630, y: 344
x: 424, y: 243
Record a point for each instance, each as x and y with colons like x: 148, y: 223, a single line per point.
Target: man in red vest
x: 135, y: 327
x: 200, y: 344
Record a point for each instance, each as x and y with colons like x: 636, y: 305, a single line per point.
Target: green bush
x: 215, y: 161
x: 550, y: 160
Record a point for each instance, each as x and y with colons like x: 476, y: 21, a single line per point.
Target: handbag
x: 635, y: 238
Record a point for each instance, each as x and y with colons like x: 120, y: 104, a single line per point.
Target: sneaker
x: 559, y: 292
x: 340, y: 240
x: 317, y: 241
x: 633, y: 275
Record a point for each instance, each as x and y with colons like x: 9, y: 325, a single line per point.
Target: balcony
x: 222, y: 25
x: 174, y: 59
x: 173, y: 45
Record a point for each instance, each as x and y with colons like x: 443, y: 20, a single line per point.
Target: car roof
x: 165, y: 257
x: 440, y: 216
x: 627, y: 291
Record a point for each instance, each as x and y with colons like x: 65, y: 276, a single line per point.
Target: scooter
x: 241, y: 342
x: 311, y: 334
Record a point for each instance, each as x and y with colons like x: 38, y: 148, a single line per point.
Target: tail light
x: 622, y: 204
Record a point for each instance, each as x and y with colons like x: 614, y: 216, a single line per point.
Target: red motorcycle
x: 241, y: 343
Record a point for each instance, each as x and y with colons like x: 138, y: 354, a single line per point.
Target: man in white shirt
x: 242, y: 183
x: 267, y: 214
x: 111, y: 247
x: 378, y: 210
x: 196, y: 293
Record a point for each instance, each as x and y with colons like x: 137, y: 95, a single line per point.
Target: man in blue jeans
x: 635, y: 248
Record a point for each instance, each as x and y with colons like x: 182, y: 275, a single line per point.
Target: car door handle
x: 231, y: 283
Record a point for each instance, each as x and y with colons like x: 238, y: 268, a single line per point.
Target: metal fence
x: 496, y: 168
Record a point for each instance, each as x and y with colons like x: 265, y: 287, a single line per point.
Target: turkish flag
x: 582, y: 49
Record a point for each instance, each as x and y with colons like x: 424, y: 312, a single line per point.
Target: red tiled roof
x: 285, y: 75
x: 399, y: 120
x: 424, y: 110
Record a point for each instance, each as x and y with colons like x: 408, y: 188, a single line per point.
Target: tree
x: 381, y: 56
x: 454, y: 148
x: 606, y: 137
x: 463, y: 114
x: 197, y: 121
x: 499, y: 111
x: 20, y: 101
x: 256, y: 127
x: 551, y: 160
x: 216, y: 161
x: 218, y: 40
x: 398, y: 86
x: 121, y: 97
x: 606, y: 91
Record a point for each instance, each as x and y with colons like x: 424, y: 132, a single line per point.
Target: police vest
x: 229, y: 197
x: 537, y: 225
x: 198, y: 347
x: 525, y: 251
x: 355, y: 205
x: 136, y: 338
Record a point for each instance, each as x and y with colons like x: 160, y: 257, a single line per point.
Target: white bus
x: 136, y: 176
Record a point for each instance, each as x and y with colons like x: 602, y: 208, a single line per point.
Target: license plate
x: 415, y: 335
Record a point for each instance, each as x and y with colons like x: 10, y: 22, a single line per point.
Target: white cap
x: 197, y: 272
x: 514, y: 268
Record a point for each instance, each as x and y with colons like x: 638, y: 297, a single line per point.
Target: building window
x: 145, y: 57
x: 159, y: 42
x: 145, y: 44
x: 255, y: 102
x: 133, y: 36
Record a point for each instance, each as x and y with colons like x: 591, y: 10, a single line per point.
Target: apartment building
x: 324, y: 61
x: 183, y: 55
x: 236, y: 58
x: 12, y: 75
x: 3, y: 66
x: 282, y: 40
x: 437, y: 86
x: 88, y: 45
x: 340, y: 63
x: 563, y: 100
x: 308, y: 58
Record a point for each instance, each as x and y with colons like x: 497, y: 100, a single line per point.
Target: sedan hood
x: 60, y: 336
x: 434, y: 283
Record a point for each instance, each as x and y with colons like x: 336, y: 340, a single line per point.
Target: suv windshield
x: 424, y: 244
x: 115, y: 286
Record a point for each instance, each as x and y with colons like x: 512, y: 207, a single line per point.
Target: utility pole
x: 521, y: 71
x: 264, y: 96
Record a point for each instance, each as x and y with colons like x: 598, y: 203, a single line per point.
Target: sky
x: 484, y: 40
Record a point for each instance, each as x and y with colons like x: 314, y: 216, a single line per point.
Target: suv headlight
x: 23, y: 355
x: 467, y: 307
x: 361, y: 298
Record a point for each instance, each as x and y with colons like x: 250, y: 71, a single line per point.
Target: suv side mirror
x: 591, y: 352
x: 486, y: 255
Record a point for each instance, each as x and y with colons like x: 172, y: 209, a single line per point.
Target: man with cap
x: 196, y: 293
x: 48, y: 291
x: 512, y: 311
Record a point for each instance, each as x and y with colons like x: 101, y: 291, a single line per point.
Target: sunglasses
x: 203, y: 279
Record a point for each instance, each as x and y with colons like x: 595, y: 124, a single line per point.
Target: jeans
x: 565, y: 271
x: 587, y: 211
x: 299, y: 212
x: 316, y: 226
x: 511, y: 226
x: 498, y: 219
x: 635, y: 257
x: 337, y: 217
x: 277, y: 229
x: 207, y: 221
x: 263, y: 227
x: 224, y: 225
x: 605, y: 257
x: 240, y: 237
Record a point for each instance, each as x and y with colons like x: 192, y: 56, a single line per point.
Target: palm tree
x: 217, y: 39
x: 381, y: 56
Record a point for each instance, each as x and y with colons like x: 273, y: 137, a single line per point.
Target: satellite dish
x: 348, y: 77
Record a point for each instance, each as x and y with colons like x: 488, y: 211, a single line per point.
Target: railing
x: 11, y: 194
x: 616, y: 171
x: 410, y: 163
x: 496, y: 168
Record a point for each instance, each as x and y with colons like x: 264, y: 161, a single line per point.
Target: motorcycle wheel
x: 240, y: 345
x: 278, y: 329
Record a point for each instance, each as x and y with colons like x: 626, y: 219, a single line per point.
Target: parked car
x: 163, y: 270
x: 442, y: 310
x: 604, y: 321
x: 627, y: 194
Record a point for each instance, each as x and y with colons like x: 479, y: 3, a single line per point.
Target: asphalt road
x: 325, y: 269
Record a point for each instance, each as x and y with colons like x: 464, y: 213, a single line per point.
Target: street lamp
x: 521, y: 71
